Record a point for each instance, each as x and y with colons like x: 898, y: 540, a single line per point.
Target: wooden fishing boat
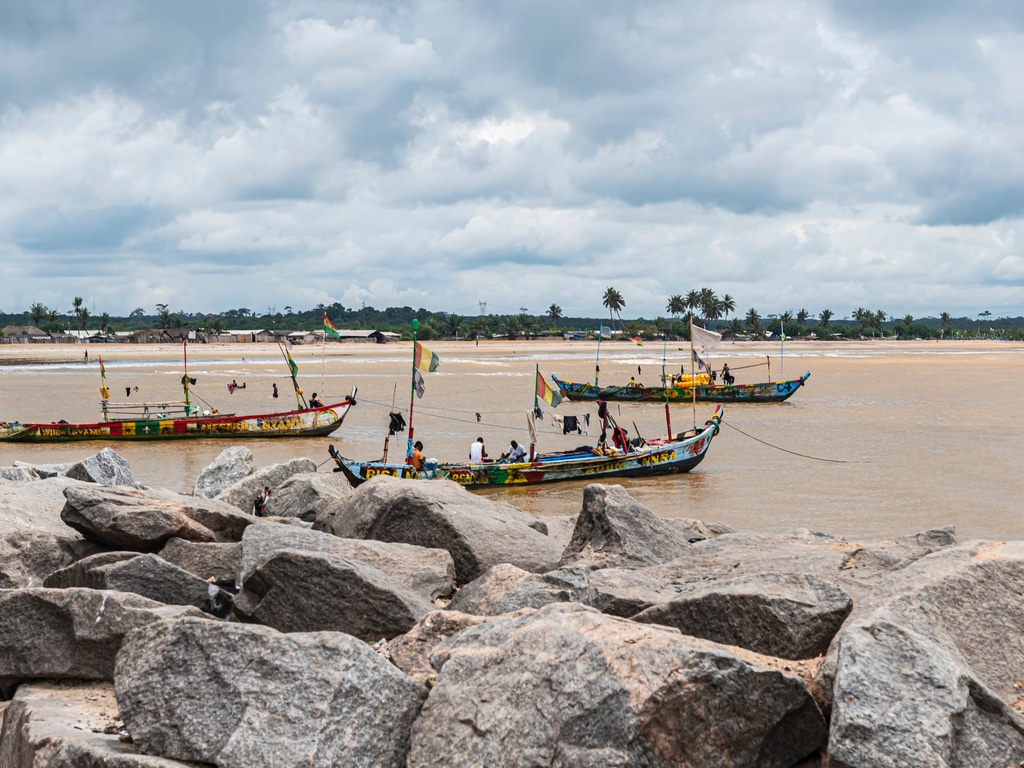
x: 647, y: 459
x: 162, y: 423
x: 764, y: 392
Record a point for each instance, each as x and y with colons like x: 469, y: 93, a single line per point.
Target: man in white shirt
x: 477, y: 453
x: 514, y: 454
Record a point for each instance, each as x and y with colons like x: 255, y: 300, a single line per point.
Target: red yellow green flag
x: 544, y: 391
x: 329, y: 328
x: 637, y: 340
x: 424, y: 359
x: 103, y: 370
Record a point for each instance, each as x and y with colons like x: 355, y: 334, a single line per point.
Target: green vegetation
x: 701, y: 305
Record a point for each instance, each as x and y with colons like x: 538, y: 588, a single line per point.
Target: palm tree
x: 824, y: 317
x: 38, y: 312
x: 907, y: 320
x: 728, y: 305
x: 77, y: 304
x: 554, y: 315
x: 676, y: 306
x: 801, y: 317
x: 753, y: 321
x: 452, y: 324
x: 692, y: 301
x: 786, y: 317
x: 83, y: 318
x: 104, y: 321
x: 614, y: 301
x: 945, y: 321
x: 708, y: 304
x: 164, y: 315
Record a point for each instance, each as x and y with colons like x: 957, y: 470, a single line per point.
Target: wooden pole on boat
x: 104, y: 392
x: 294, y: 371
x: 693, y: 377
x: 184, y: 378
x: 769, y: 358
x: 597, y: 360
x: 664, y: 385
x: 412, y: 390
x: 530, y: 418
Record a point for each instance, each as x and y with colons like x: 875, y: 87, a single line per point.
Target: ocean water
x: 884, y: 440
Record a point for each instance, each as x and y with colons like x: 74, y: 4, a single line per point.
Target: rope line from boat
x: 786, y: 450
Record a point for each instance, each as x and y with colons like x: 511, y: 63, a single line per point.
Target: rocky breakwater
x: 415, y: 624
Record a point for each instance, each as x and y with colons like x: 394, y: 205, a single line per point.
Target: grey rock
x: 28, y: 557
x: 614, y: 530
x: 128, y: 518
x: 411, y: 652
x: 696, y: 530
x: 146, y: 575
x: 855, y: 567
x: 789, y: 615
x: 19, y: 474
x: 240, y: 696
x: 34, y: 506
x: 943, y: 639
x: 216, y: 560
x: 103, y: 468
x: 477, y: 532
x: 46, y: 470
x: 505, y: 588
x: 307, y: 496
x: 313, y: 591
x: 429, y: 573
x: 561, y: 528
x: 70, y: 633
x: 566, y: 685
x: 241, y: 494
x: 231, y: 465
x: 61, y: 725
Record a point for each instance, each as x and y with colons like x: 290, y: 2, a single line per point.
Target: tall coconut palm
x: 708, y: 304
x: 692, y: 301
x: 945, y: 320
x: 907, y: 320
x: 38, y: 312
x: 676, y: 305
x: 753, y: 321
x: 554, y: 315
x: 614, y: 302
x: 801, y: 317
x: 824, y: 317
x: 728, y: 305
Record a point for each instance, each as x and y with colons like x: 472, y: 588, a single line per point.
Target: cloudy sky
x: 238, y: 153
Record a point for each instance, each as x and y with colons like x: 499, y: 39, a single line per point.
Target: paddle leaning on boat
x: 174, y: 420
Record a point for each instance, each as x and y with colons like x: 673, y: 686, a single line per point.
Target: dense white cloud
x: 259, y: 154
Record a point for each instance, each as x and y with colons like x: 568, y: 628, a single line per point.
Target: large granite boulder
x: 928, y: 669
x: 308, y: 496
x: 231, y: 465
x: 34, y: 506
x: 411, y: 652
x: 146, y: 575
x: 789, y: 615
x: 69, y: 725
x: 241, y: 494
x: 127, y: 518
x: 429, y: 573
x: 70, y: 633
x: 239, y: 696
x: 855, y: 567
x: 103, y: 468
x: 566, y: 685
x: 19, y: 474
x: 45, y: 470
x: 441, y: 514
x: 295, y: 591
x: 27, y: 557
x: 505, y: 588
x: 216, y: 560
x: 615, y: 530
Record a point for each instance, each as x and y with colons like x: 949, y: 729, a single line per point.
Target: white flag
x: 704, y: 338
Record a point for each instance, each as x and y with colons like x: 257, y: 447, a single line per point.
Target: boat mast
x: 693, y: 376
x: 412, y: 390
x: 104, y: 392
x: 597, y: 361
x: 664, y: 383
x: 294, y: 371
x: 184, y: 378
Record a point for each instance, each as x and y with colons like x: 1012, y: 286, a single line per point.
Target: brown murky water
x: 886, y: 439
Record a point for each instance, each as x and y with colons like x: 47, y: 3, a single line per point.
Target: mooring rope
x: 786, y: 450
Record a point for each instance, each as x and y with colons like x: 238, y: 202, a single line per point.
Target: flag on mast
x: 424, y: 359
x: 417, y: 383
x: 329, y: 328
x: 291, y: 363
x: 637, y: 340
x: 103, y: 370
x: 544, y: 391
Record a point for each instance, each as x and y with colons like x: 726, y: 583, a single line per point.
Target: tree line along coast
x: 703, y: 306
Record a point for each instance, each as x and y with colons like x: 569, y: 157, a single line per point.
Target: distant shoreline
x: 64, y: 354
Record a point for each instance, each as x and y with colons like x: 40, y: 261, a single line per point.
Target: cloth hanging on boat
x: 585, y: 426
x: 538, y: 414
x: 397, y: 424
x: 571, y: 424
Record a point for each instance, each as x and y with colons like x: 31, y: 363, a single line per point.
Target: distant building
x: 25, y: 334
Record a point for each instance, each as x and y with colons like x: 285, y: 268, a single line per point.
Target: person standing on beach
x: 275, y: 389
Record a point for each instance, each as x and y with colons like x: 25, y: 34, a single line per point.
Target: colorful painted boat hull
x: 651, y: 460
x: 310, y: 422
x: 765, y: 392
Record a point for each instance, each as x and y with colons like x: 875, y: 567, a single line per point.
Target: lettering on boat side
x: 278, y: 423
x: 78, y: 432
x: 605, y: 468
x: 657, y: 458
x: 226, y: 426
x: 463, y: 478
x: 374, y: 472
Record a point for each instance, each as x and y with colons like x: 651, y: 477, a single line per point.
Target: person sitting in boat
x: 727, y: 377
x: 416, y: 460
x: 632, y: 381
x: 515, y: 453
x: 620, y: 439
x: 315, y: 402
x: 477, y: 452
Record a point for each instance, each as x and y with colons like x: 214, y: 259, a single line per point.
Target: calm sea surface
x: 884, y: 440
